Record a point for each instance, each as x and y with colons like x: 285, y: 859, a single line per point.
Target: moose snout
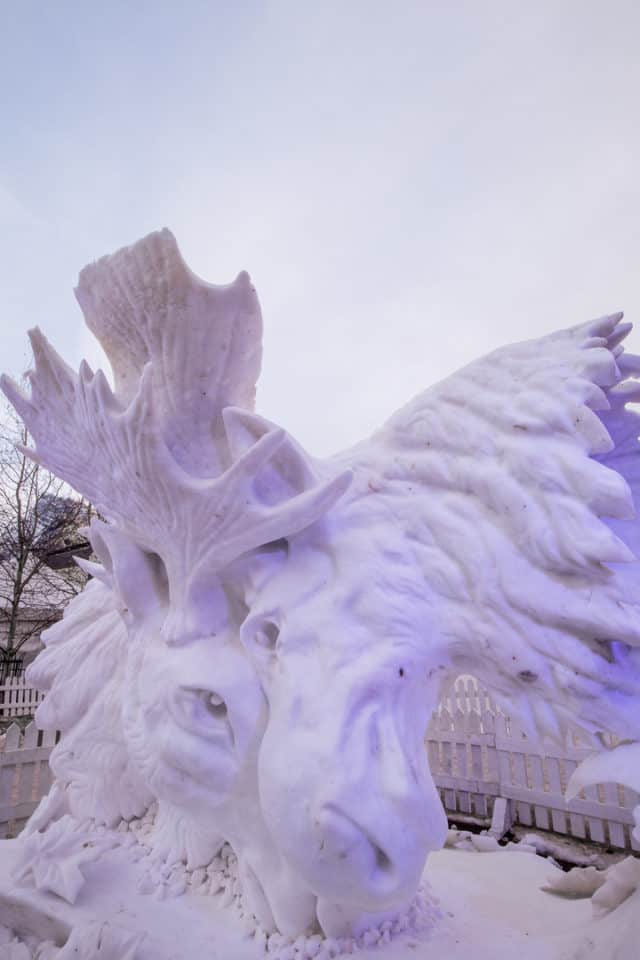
x: 373, y: 835
x: 347, y: 846
x: 357, y: 814
x: 375, y: 860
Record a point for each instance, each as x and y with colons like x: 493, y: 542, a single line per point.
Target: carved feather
x: 506, y: 470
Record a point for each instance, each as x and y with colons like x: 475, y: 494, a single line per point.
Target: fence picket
x: 30, y: 736
x: 28, y: 769
x: 12, y: 740
x: 540, y: 813
x: 595, y: 824
x: 484, y: 754
x: 7, y: 771
x: 18, y: 699
x: 616, y: 831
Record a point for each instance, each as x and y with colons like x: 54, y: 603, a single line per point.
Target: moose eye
x: 201, y: 711
x: 215, y: 705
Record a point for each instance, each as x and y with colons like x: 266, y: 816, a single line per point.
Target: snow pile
x: 579, y: 883
x: 619, y: 765
x: 608, y: 889
x: 53, y: 860
x: 88, y: 941
x: 562, y: 851
x: 618, y: 883
x: 13, y: 947
x: 621, y: 882
x: 465, y: 840
x: 416, y: 920
x: 220, y: 879
x: 559, y: 850
x: 485, y: 842
x: 163, y: 880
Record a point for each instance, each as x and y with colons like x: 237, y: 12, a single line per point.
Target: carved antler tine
x: 271, y: 490
x: 251, y: 460
x: 51, y: 371
x: 143, y: 303
x: 95, y: 570
x: 167, y: 460
x: 18, y: 400
x: 243, y: 428
x: 118, y: 460
x: 114, y: 457
x: 302, y: 511
x: 259, y: 524
x: 51, y: 376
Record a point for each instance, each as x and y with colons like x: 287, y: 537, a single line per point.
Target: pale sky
x: 409, y: 184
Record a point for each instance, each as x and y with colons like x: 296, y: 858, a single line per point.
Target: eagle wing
x: 518, y: 477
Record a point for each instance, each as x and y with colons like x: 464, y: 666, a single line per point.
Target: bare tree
x: 40, y: 523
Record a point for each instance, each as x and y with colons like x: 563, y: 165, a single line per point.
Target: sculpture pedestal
x: 490, y: 907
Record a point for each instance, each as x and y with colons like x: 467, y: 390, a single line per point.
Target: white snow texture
x: 266, y: 634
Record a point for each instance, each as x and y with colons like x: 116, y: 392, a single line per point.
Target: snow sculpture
x: 267, y: 634
x: 183, y: 503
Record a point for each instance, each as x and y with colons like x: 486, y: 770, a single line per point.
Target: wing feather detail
x: 523, y: 470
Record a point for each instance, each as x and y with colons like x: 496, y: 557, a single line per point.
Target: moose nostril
x: 383, y: 863
x: 348, y: 838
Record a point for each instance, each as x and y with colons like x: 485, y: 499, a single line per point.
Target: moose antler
x: 164, y: 457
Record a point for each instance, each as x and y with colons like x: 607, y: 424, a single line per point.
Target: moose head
x: 476, y: 536
x: 336, y: 624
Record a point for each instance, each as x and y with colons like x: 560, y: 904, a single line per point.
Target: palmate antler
x: 165, y: 458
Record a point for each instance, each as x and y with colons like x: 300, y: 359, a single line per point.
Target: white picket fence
x: 17, y: 699
x: 481, y: 760
x: 477, y: 755
x: 25, y: 776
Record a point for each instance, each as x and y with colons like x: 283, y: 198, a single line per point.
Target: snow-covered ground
x: 494, y: 909
x: 489, y: 906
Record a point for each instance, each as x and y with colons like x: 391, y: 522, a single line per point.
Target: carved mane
x: 82, y: 671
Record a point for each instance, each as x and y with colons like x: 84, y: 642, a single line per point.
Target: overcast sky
x: 409, y: 184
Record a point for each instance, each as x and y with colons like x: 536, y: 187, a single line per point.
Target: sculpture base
x: 490, y: 907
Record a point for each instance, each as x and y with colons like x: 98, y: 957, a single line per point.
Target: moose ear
x: 137, y: 576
